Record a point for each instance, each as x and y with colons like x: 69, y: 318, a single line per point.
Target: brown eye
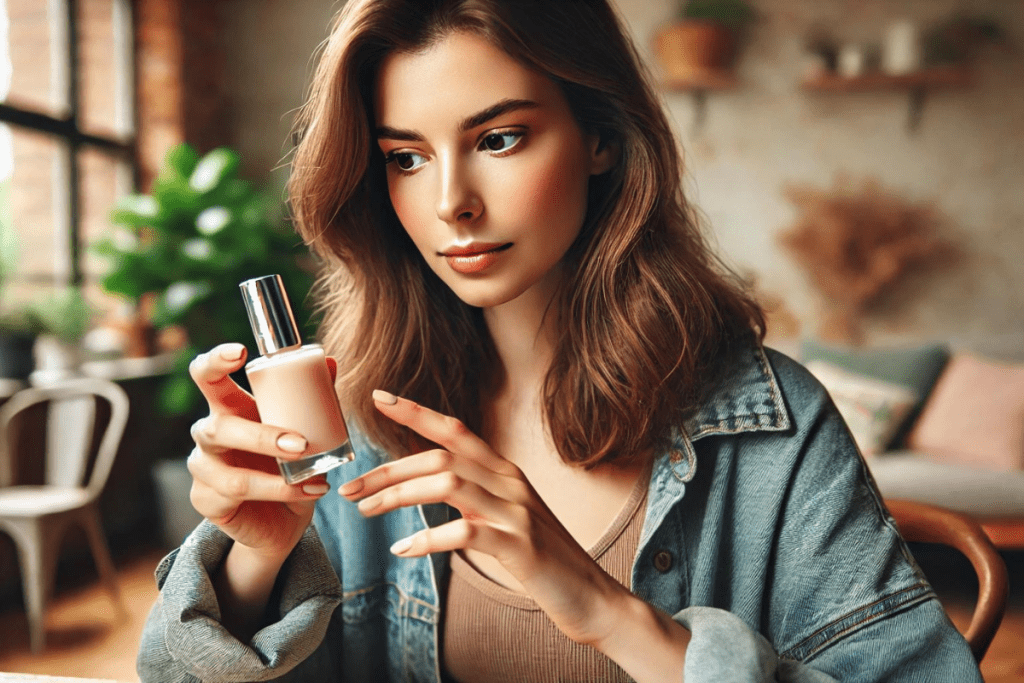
x: 405, y: 161
x: 494, y: 142
x: 500, y: 142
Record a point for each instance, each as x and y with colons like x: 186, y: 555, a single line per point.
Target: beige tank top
x: 494, y: 634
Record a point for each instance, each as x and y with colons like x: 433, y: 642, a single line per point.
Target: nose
x: 458, y: 200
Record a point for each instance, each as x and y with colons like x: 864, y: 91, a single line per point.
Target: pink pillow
x: 974, y: 415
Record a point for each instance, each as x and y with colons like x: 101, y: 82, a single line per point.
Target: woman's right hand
x: 236, y: 483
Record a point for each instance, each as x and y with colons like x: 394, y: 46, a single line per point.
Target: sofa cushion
x: 916, y: 367
x: 971, y: 490
x: 873, y: 409
x: 974, y: 416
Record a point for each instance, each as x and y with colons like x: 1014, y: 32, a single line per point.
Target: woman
x: 574, y: 459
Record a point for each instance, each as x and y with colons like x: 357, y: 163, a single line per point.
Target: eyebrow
x: 478, y: 119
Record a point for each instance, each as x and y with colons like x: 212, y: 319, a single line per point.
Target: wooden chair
x: 923, y: 523
x: 36, y: 515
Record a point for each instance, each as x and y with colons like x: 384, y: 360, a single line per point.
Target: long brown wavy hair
x: 648, y: 318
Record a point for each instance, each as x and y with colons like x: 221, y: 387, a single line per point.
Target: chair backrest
x: 70, y: 425
x: 922, y: 523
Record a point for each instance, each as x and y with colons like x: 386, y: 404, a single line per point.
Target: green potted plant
x: 59, y: 320
x: 702, y: 42
x: 188, y: 243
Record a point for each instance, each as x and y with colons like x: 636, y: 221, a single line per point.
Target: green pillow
x: 917, y: 368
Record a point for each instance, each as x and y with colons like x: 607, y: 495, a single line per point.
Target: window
x: 67, y: 136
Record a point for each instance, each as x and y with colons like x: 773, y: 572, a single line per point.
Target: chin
x: 486, y: 296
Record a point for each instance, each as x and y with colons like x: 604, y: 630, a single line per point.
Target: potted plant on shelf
x: 186, y: 246
x: 699, y: 49
x: 60, y: 320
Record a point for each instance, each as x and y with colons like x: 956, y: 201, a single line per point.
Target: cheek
x: 409, y: 208
x: 551, y: 192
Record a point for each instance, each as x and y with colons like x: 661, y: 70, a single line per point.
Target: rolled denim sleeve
x: 915, y: 645
x: 184, y: 641
x: 723, y: 649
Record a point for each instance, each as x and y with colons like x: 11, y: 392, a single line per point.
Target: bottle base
x: 295, y: 471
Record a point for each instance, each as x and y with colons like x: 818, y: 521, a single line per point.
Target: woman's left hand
x: 502, y: 516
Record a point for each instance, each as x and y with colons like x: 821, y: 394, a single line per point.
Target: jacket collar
x: 747, y: 400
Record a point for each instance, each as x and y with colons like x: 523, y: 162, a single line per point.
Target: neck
x: 524, y: 335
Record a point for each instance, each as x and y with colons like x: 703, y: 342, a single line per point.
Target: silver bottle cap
x: 270, y: 314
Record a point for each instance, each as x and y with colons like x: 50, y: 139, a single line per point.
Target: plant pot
x: 16, y: 359
x: 55, y: 360
x: 693, y: 48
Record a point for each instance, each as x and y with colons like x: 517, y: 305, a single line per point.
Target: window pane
x: 33, y: 59
x: 34, y: 181
x: 104, y: 64
x: 103, y: 179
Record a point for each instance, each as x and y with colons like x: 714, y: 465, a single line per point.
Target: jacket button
x: 663, y: 561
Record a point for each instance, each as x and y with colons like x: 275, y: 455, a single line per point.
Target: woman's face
x: 487, y: 168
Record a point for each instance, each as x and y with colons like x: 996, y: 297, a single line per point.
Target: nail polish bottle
x: 292, y: 383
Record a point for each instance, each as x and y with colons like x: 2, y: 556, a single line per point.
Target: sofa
x: 935, y: 425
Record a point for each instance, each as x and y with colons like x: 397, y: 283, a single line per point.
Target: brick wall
x: 179, y: 80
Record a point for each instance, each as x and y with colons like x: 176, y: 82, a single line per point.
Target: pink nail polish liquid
x: 292, y: 383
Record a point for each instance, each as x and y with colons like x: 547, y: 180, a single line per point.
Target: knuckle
x: 465, y: 531
x: 197, y: 365
x: 455, y: 427
x: 440, y: 459
x: 450, y: 482
x: 192, y: 461
x: 204, y: 429
x: 236, y: 486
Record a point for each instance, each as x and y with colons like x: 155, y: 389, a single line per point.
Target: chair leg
x: 101, y: 554
x: 37, y: 546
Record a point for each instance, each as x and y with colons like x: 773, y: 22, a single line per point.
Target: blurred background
x: 859, y: 162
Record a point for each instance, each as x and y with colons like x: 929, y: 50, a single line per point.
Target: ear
x: 604, y: 153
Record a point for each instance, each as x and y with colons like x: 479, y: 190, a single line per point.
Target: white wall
x: 967, y: 155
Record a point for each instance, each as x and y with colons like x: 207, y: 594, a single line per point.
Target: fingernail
x: 232, y: 351
x: 354, y: 486
x: 315, y: 489
x: 399, y: 547
x: 369, y: 504
x: 384, y: 397
x: 292, y: 443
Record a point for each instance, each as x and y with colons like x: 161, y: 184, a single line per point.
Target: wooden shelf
x: 701, y: 81
x: 929, y: 79
x: 915, y: 84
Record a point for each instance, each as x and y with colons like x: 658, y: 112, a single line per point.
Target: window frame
x: 68, y: 131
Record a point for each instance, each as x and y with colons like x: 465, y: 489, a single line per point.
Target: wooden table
x: 33, y: 678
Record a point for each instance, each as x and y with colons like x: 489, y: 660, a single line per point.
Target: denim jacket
x: 763, y: 534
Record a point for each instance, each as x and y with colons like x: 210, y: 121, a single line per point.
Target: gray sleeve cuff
x: 723, y: 649
x: 308, y: 591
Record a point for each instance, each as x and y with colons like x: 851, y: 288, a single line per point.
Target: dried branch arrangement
x: 857, y: 244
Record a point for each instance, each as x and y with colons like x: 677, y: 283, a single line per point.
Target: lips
x: 475, y: 257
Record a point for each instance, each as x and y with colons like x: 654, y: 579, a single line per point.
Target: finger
x: 220, y: 433
x: 211, y: 372
x: 458, y: 534
x: 425, y: 464
x: 445, y: 487
x: 332, y: 367
x: 447, y: 431
x: 219, y: 486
